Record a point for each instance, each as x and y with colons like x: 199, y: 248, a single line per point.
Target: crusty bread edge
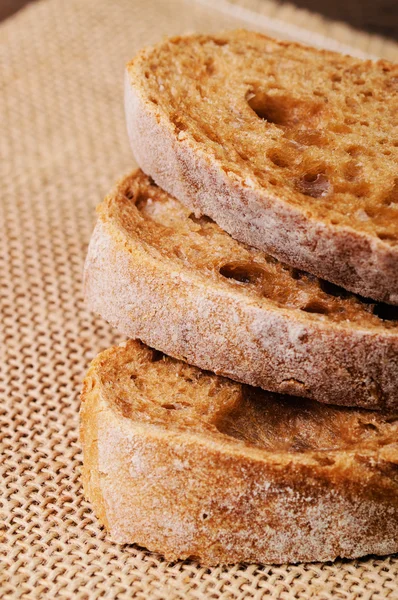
x: 186, y: 496
x: 355, y: 261
x: 89, y: 414
x: 171, y: 310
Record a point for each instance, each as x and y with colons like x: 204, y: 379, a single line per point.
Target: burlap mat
x: 62, y: 145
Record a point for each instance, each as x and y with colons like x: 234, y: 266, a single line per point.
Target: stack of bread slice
x: 269, y: 258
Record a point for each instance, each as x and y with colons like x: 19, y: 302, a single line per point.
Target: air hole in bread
x: 156, y: 356
x: 392, y: 195
x: 339, y: 128
x: 296, y: 273
x: 369, y: 426
x: 196, y: 136
x: 200, y: 220
x: 141, y: 201
x: 336, y: 78
x: 315, y: 185
x: 311, y: 137
x: 361, y: 189
x: 209, y: 65
x: 242, y: 272
x: 332, y: 289
x: 204, y: 516
x: 324, y: 461
x: 220, y: 42
x: 355, y: 150
x: 351, y: 103
x: 317, y: 307
x: 385, y: 236
x: 268, y: 107
x: 386, y: 312
x: 175, y: 406
x: 350, y: 121
x: 352, y: 170
x: 211, y: 134
x: 257, y: 173
x: 242, y: 155
x: 282, y: 110
x: 179, y: 123
x: 279, y: 158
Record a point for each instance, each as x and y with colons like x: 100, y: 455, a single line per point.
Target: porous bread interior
x: 316, y: 129
x: 167, y: 228
x: 147, y: 386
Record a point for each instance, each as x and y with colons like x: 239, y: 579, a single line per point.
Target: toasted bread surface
x: 290, y: 149
x: 184, y: 286
x: 193, y: 465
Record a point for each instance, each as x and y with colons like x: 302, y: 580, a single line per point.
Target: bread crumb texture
x: 316, y: 128
x: 181, y: 284
x: 191, y: 464
x: 141, y: 210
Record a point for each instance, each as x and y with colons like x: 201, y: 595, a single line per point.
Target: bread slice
x: 185, y: 287
x: 290, y: 149
x: 193, y: 465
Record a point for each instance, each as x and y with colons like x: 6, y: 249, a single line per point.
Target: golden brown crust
x: 312, y: 181
x: 190, y: 464
x: 184, y: 286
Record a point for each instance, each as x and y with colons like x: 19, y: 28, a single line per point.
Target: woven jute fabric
x: 62, y: 146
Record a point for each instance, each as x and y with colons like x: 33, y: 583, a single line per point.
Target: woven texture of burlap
x: 62, y: 145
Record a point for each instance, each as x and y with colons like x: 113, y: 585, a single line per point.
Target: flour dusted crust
x: 185, y: 287
x: 195, y: 466
x: 290, y: 149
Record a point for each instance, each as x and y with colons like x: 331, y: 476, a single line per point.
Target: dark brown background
x: 7, y: 7
x: 376, y: 16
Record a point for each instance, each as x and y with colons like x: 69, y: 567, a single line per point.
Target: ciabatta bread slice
x: 290, y: 149
x: 185, y: 287
x: 195, y: 466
